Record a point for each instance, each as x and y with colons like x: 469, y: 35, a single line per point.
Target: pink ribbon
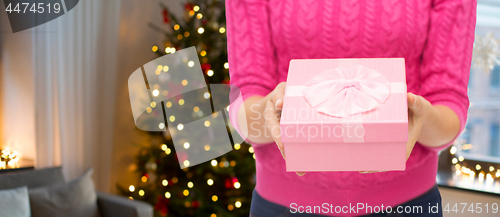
x: 345, y: 91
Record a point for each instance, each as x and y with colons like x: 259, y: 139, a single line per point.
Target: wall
x: 136, y: 41
x: 17, y: 113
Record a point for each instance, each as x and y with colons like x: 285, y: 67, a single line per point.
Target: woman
x: 434, y: 36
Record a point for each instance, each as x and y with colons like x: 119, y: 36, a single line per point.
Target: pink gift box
x: 345, y: 115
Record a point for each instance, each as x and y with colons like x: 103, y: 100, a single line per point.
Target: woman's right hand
x: 272, y: 114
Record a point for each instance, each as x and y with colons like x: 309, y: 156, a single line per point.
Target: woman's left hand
x: 418, y: 109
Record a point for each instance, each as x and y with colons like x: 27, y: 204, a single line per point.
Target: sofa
x: 108, y: 205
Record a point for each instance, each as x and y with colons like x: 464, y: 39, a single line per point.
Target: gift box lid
x: 345, y: 101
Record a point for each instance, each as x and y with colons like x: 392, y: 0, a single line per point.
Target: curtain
x: 75, y: 64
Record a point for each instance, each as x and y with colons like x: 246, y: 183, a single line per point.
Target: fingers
x: 278, y: 94
x: 273, y: 124
x: 300, y: 173
x: 412, y: 101
x: 365, y: 172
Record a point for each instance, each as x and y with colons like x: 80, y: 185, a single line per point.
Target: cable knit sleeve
x: 446, y: 58
x: 252, y: 60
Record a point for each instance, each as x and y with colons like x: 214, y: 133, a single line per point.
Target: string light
x: 161, y: 126
x: 164, y: 182
x: 222, y: 30
x: 230, y: 207
x: 153, y: 104
x: 185, y: 192
x: 203, y: 53
x: 180, y: 126
x: 481, y: 176
x: 214, y: 162
x: 207, y: 147
x: 199, y: 16
x: 210, y: 73
x: 165, y: 68
x: 190, y: 63
x: 207, y: 123
x: 226, y: 65
x: 237, y: 146
x: 179, y: 36
x: 154, y: 48
x: 492, y: 168
x: 156, y: 92
x: 167, y: 194
x: 171, y: 118
x: 131, y: 188
x: 165, y: 93
x: 186, y: 34
x: 186, y: 163
x: 478, y: 167
x: 453, y: 150
x: 144, y: 179
x: 164, y: 147
x: 184, y: 82
x: 250, y: 149
x: 196, y: 109
x: 190, y: 184
x: 191, y: 13
x: 172, y: 49
x: 454, y: 160
x: 181, y: 102
x: 215, y: 198
x: 237, y: 185
x: 169, y: 104
x: 237, y: 204
x: 201, y: 30
x: 177, y: 27
x: 206, y: 95
x: 186, y: 145
x: 196, y: 8
x: 168, y: 151
x: 210, y: 182
x: 149, y: 109
x: 232, y: 163
x: 141, y: 193
x: 213, y: 215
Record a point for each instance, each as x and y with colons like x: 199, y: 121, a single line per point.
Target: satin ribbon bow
x: 345, y: 91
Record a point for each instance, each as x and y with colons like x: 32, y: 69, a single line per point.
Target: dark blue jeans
x: 260, y: 207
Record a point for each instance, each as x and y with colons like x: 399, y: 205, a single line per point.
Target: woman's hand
x: 418, y: 110
x: 272, y: 114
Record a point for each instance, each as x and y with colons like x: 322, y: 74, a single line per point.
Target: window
x: 495, y: 77
x: 494, y: 140
x: 473, y: 161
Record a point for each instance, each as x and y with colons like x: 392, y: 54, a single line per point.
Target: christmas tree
x: 222, y: 186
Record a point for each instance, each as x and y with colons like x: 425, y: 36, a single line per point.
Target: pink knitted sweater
x: 434, y: 36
